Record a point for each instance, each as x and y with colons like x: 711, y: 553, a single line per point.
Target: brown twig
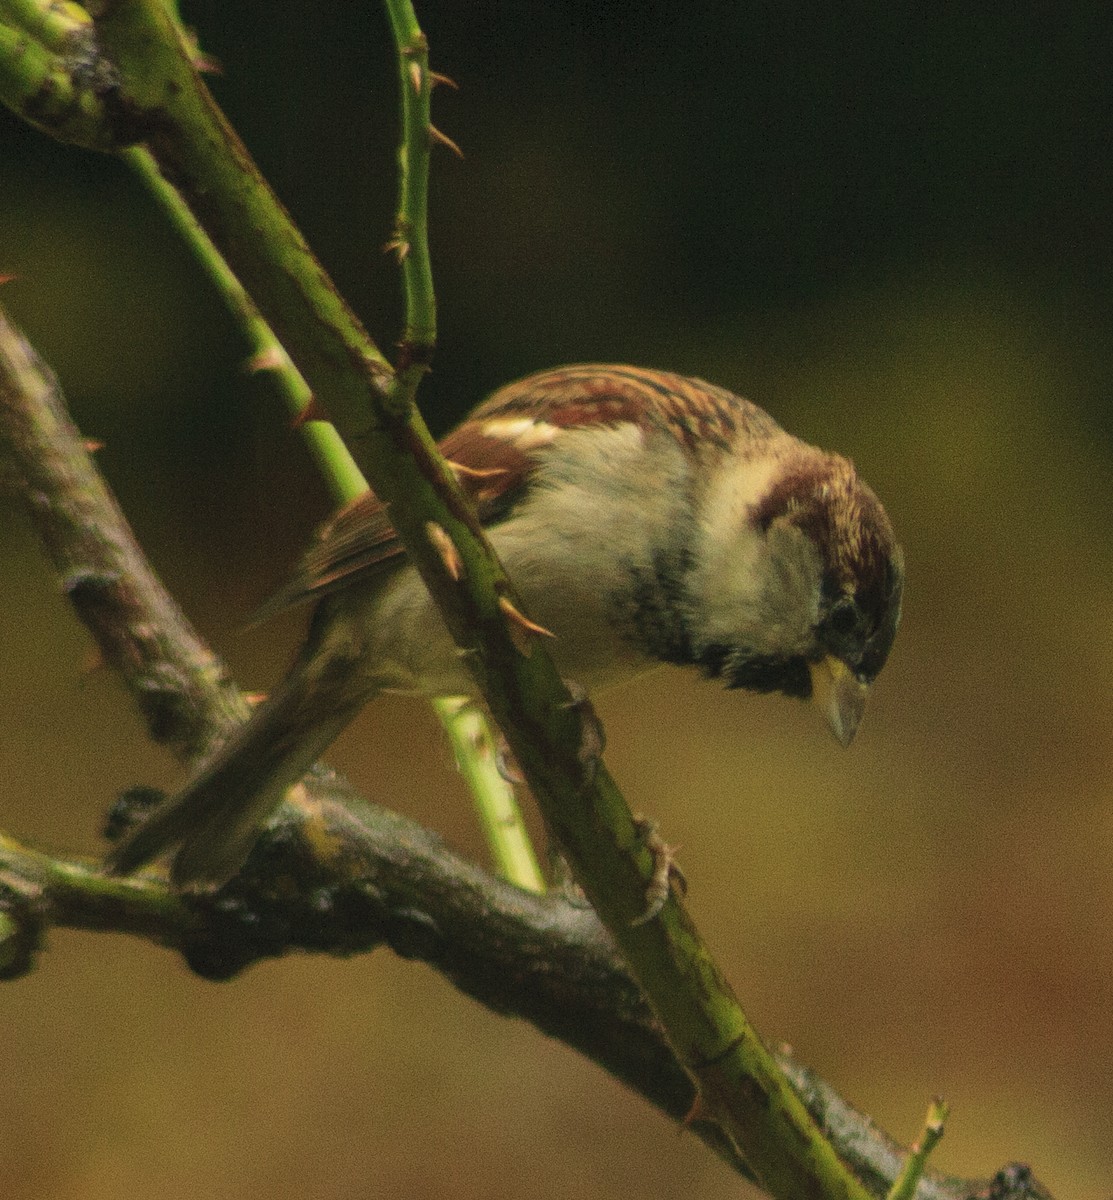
x: 180, y: 687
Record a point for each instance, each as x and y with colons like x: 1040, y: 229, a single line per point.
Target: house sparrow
x: 645, y: 518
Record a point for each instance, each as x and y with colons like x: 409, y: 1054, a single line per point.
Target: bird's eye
x: 843, y: 617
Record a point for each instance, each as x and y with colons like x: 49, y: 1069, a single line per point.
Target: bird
x: 646, y: 518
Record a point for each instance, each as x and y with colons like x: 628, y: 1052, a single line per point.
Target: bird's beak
x: 841, y: 696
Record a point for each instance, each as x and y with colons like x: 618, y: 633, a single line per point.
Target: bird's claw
x: 593, y: 740
x: 666, y: 874
x: 697, y: 1111
x: 506, y: 764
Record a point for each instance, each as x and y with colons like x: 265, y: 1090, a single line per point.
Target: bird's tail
x: 216, y: 818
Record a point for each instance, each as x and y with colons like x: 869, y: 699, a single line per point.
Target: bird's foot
x: 593, y: 740
x: 506, y: 764
x: 665, y: 875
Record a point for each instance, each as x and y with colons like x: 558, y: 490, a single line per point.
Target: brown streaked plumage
x: 495, y: 465
x: 645, y: 518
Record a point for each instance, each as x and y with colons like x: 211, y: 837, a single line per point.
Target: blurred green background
x: 890, y: 226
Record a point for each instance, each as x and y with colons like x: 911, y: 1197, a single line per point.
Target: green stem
x: 467, y: 729
x: 200, y: 154
x: 81, y: 896
x: 411, y: 237
x: 905, y: 1184
x: 498, y: 808
x: 337, y: 467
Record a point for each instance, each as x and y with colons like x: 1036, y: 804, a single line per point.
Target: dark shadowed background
x: 887, y: 225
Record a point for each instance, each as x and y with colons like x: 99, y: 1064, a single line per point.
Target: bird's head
x: 797, y: 583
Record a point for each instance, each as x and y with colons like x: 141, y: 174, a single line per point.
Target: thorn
x: 415, y: 77
x: 666, y: 874
x: 521, y: 627
x: 255, y: 698
x: 442, y: 139
x: 446, y: 549
x: 506, y: 764
x: 7, y: 278
x: 207, y: 64
x: 436, y: 78
x: 475, y: 472
x: 92, y: 445
x: 311, y: 412
x: 697, y: 1111
x: 270, y: 359
x: 397, y: 245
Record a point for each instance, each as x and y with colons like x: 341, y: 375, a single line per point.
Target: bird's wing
x: 496, y: 449
x: 359, y: 539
